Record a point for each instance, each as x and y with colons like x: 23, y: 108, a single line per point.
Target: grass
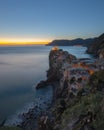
x: 94, y: 102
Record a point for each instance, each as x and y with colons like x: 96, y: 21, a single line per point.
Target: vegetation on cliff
x: 79, y: 93
x: 97, y: 47
x: 84, y: 111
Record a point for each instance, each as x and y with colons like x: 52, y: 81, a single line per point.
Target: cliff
x: 78, y: 41
x: 78, y: 95
x: 97, y: 47
x: 78, y: 86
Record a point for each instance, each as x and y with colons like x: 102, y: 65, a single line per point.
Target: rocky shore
x: 78, y: 95
x: 78, y: 86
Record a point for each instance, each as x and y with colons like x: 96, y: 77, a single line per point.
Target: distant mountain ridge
x: 65, y: 42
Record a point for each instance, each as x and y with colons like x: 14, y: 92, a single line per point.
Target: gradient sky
x: 45, y: 20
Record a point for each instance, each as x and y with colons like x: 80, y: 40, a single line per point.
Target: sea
x: 21, y: 68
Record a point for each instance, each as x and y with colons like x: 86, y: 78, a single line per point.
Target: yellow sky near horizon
x: 16, y: 42
x: 2, y: 43
x: 22, y: 41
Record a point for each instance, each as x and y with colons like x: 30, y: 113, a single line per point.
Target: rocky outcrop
x: 101, y: 53
x: 97, y: 47
x: 78, y: 96
x: 69, y: 73
x: 58, y: 59
x: 78, y: 93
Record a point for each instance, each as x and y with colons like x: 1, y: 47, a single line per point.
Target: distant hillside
x: 78, y: 41
x: 97, y: 47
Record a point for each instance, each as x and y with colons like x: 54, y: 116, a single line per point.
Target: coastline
x: 31, y: 112
x: 68, y: 77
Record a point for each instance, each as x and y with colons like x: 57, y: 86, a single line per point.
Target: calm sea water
x: 21, y: 68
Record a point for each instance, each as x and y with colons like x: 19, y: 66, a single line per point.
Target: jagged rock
x: 57, y: 58
x: 42, y: 84
x: 69, y: 77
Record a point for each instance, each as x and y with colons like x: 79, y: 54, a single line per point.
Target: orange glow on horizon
x: 16, y: 42
x: 21, y: 43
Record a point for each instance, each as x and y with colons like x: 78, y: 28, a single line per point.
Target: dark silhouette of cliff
x: 97, y: 46
x: 78, y: 41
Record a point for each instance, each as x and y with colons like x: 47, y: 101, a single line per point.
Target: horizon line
x: 11, y: 43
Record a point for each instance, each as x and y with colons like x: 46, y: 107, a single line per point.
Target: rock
x: 45, y: 123
x: 3, y: 122
x: 84, y: 122
x: 42, y: 84
x: 101, y: 53
x: 69, y: 77
x: 57, y: 59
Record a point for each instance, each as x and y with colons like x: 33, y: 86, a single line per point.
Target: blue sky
x: 51, y: 19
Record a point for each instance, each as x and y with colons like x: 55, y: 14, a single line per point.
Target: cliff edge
x: 97, y: 47
x: 78, y: 86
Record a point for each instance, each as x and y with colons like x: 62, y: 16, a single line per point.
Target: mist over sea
x: 21, y: 68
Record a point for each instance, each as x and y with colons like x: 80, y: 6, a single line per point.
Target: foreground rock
x: 75, y: 93
x: 78, y: 95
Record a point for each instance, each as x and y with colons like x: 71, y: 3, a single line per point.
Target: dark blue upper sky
x: 50, y: 19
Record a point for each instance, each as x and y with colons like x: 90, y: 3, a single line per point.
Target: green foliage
x: 94, y: 103
x: 97, y: 76
x: 79, y: 106
x: 96, y: 81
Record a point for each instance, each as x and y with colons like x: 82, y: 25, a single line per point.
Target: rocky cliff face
x: 97, y: 47
x: 58, y: 59
x: 69, y: 73
x: 78, y: 86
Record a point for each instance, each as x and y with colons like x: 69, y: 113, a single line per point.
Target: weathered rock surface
x: 76, y: 86
x: 69, y: 73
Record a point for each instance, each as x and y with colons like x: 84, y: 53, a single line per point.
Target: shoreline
x: 33, y: 111
x: 67, y: 75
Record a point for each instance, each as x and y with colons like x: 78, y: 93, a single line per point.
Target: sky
x: 46, y: 20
